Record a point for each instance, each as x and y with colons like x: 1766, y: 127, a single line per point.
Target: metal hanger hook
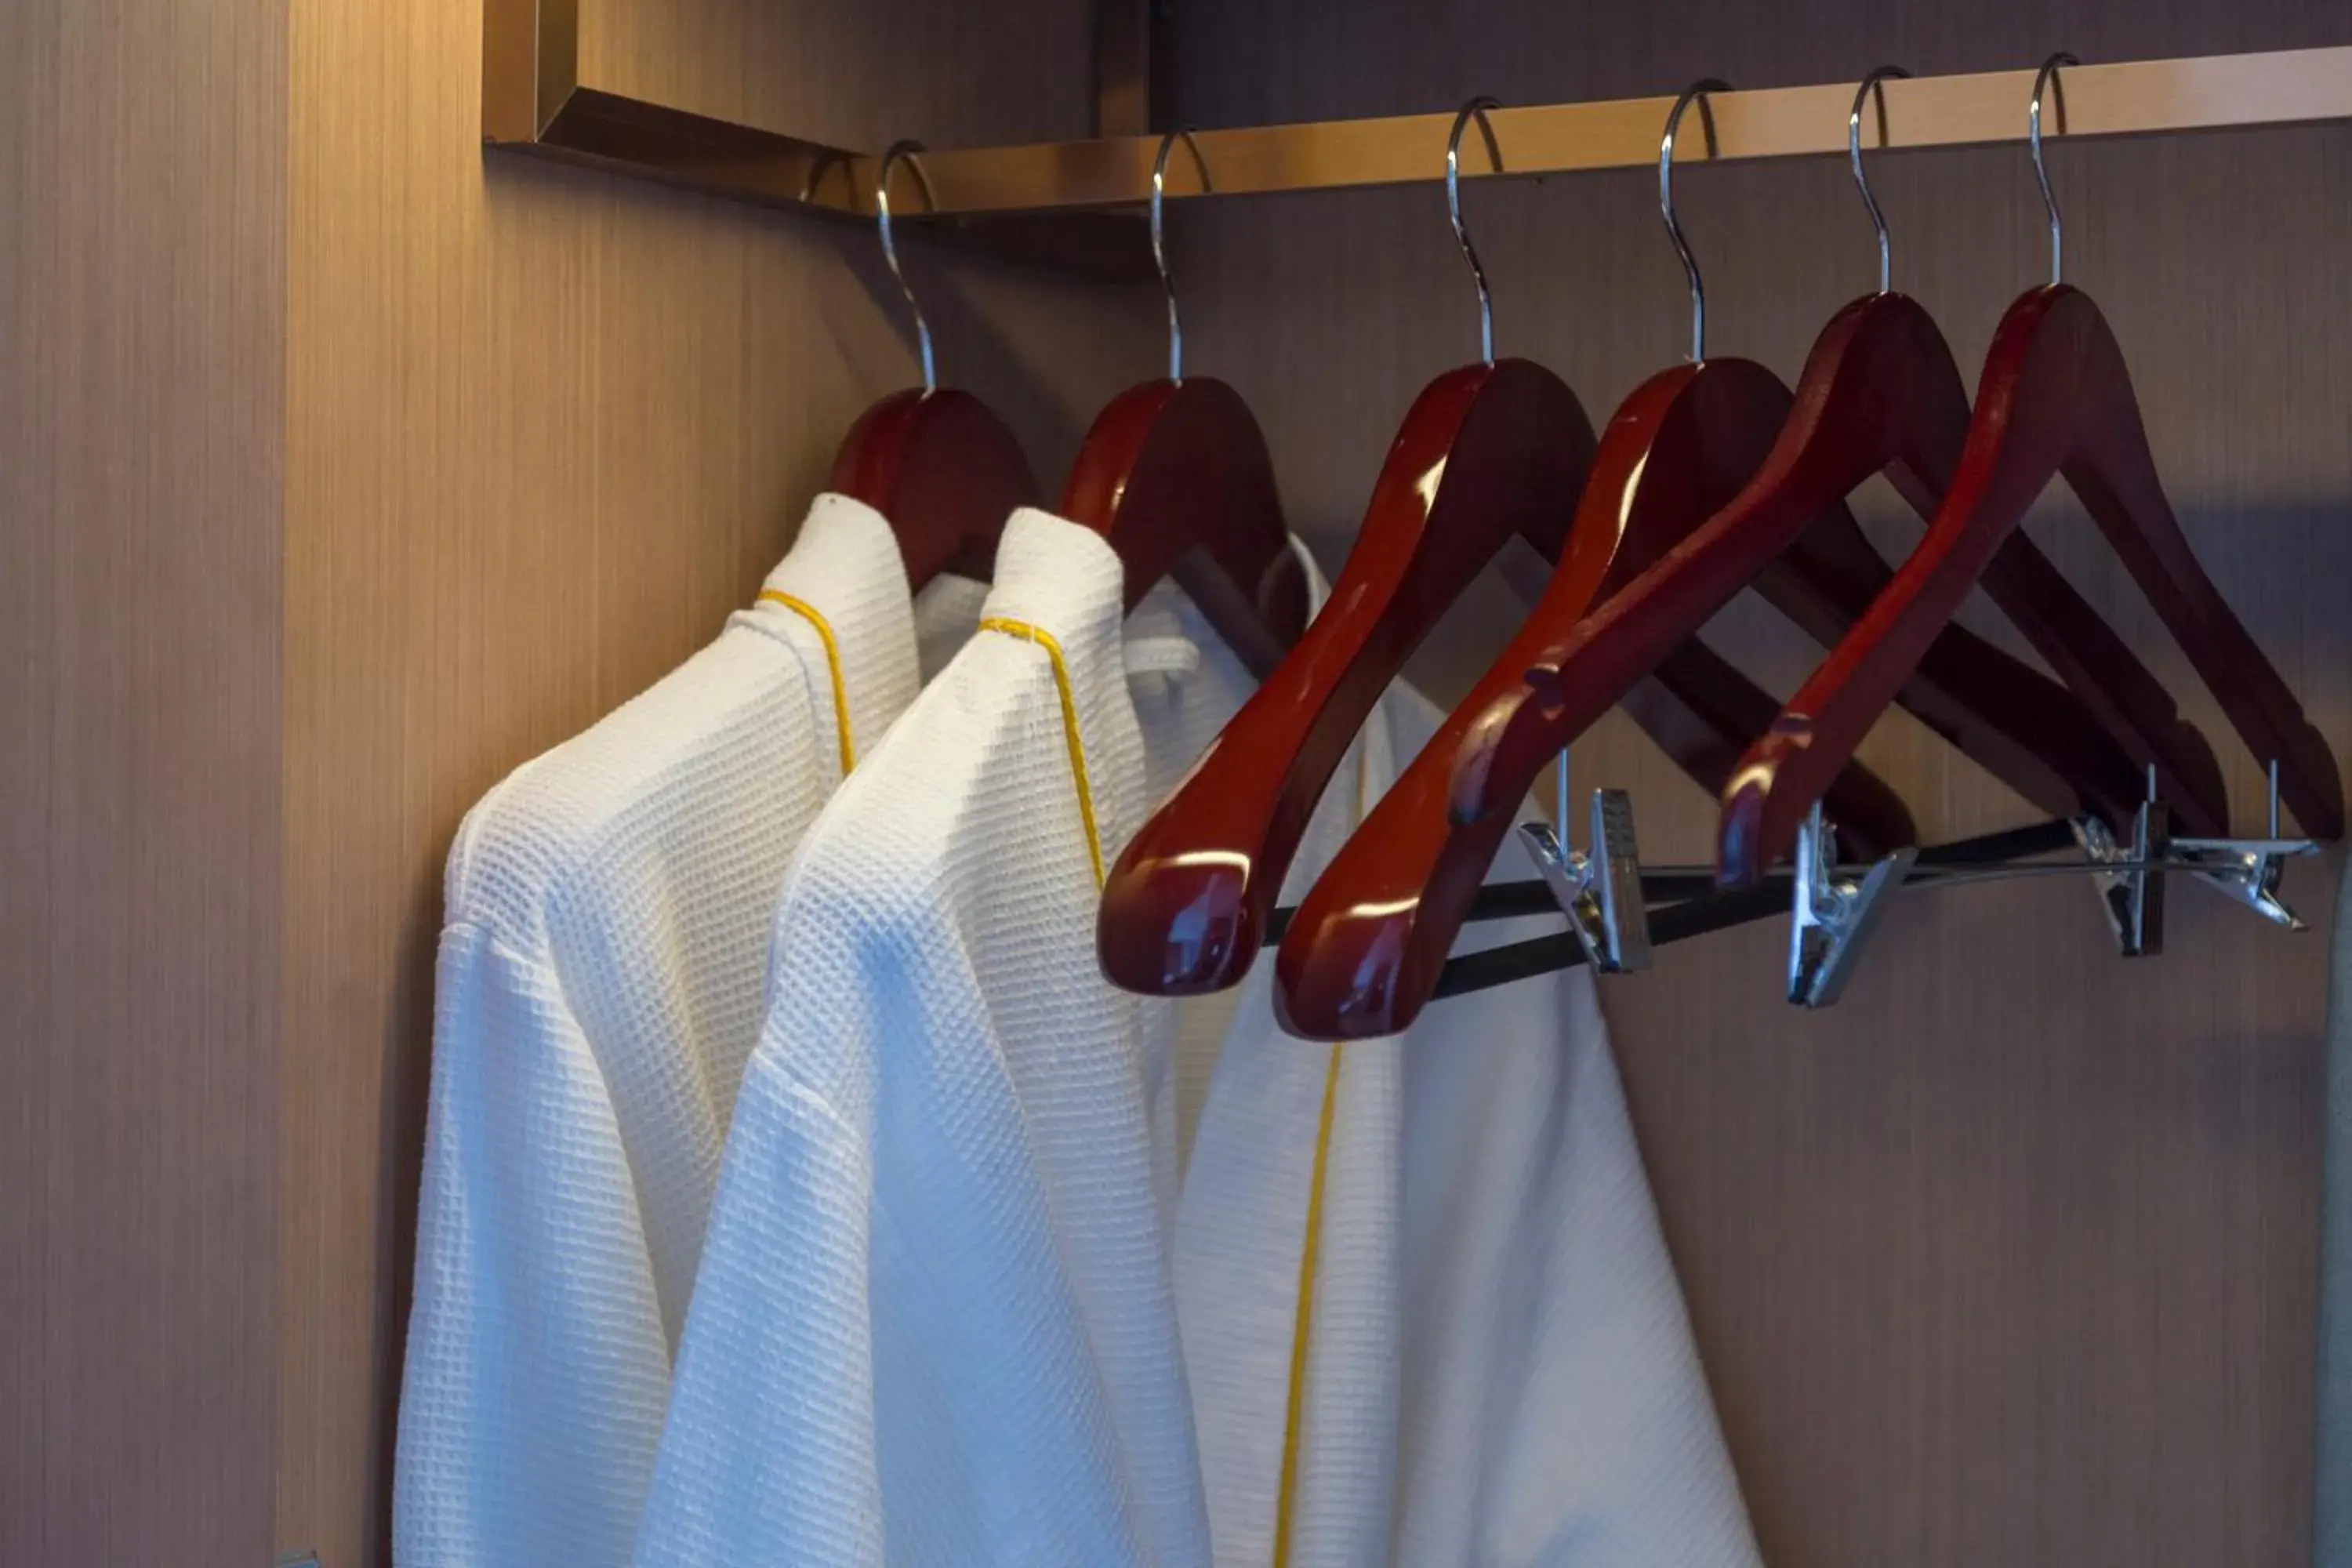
x: 1697, y: 91
x: 826, y: 160
x: 911, y: 152
x: 1474, y: 109
x: 2045, y: 79
x: 1853, y: 150
x: 1160, y: 243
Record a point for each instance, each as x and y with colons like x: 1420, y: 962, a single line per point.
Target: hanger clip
x: 2248, y: 870
x: 1833, y: 917
x: 1601, y: 892
x: 2131, y: 888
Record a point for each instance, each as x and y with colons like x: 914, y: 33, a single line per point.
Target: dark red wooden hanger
x: 938, y: 464
x: 1487, y: 452
x: 2055, y: 399
x: 1696, y: 707
x: 1699, y: 709
x: 1680, y: 443
x: 1880, y: 392
x: 1176, y: 475
x: 1366, y: 945
x: 1369, y: 942
x: 945, y: 472
x: 1183, y: 907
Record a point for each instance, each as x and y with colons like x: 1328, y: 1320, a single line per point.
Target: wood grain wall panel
x: 854, y: 75
x: 142, y: 353
x: 548, y: 428
x: 2008, y: 1259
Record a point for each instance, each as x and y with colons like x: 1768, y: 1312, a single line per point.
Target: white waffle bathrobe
x: 938, y: 1319
x: 599, y: 989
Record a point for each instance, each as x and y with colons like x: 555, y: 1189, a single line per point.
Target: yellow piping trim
x: 810, y: 614
x: 1286, y: 1500
x: 1044, y: 639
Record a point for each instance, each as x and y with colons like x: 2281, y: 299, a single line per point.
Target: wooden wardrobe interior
x: 345, y: 468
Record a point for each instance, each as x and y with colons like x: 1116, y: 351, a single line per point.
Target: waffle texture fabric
x: 2333, y: 1484
x: 599, y: 989
x: 936, y: 1322
x: 1493, y: 1363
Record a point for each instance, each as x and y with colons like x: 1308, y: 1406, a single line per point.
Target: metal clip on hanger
x: 1599, y: 890
x: 1831, y: 917
x: 2249, y: 870
x: 2126, y: 875
x: 938, y: 464
x: 1834, y: 911
x: 2129, y: 876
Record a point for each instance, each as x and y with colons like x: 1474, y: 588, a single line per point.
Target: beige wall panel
x: 142, y: 191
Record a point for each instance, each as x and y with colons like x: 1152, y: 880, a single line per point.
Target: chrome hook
x: 1854, y: 151
x: 1474, y: 109
x: 1159, y: 244
x: 908, y: 150
x: 2044, y: 79
x: 826, y: 160
x: 1699, y: 91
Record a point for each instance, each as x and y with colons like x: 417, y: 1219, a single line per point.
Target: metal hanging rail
x: 2139, y: 98
x: 535, y: 101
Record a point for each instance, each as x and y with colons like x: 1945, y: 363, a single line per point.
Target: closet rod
x: 2136, y: 97
x: 1052, y: 202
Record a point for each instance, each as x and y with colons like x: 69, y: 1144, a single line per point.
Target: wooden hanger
x: 1368, y: 942
x: 1702, y: 713
x: 1487, y: 452
x: 1880, y: 392
x: 1679, y: 444
x: 1175, y: 474
x: 2055, y: 399
x: 938, y: 464
x: 945, y: 472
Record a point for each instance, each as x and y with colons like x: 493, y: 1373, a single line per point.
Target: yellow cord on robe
x: 1294, y: 1420
x: 810, y: 614
x: 1287, y: 1498
x: 1044, y: 639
